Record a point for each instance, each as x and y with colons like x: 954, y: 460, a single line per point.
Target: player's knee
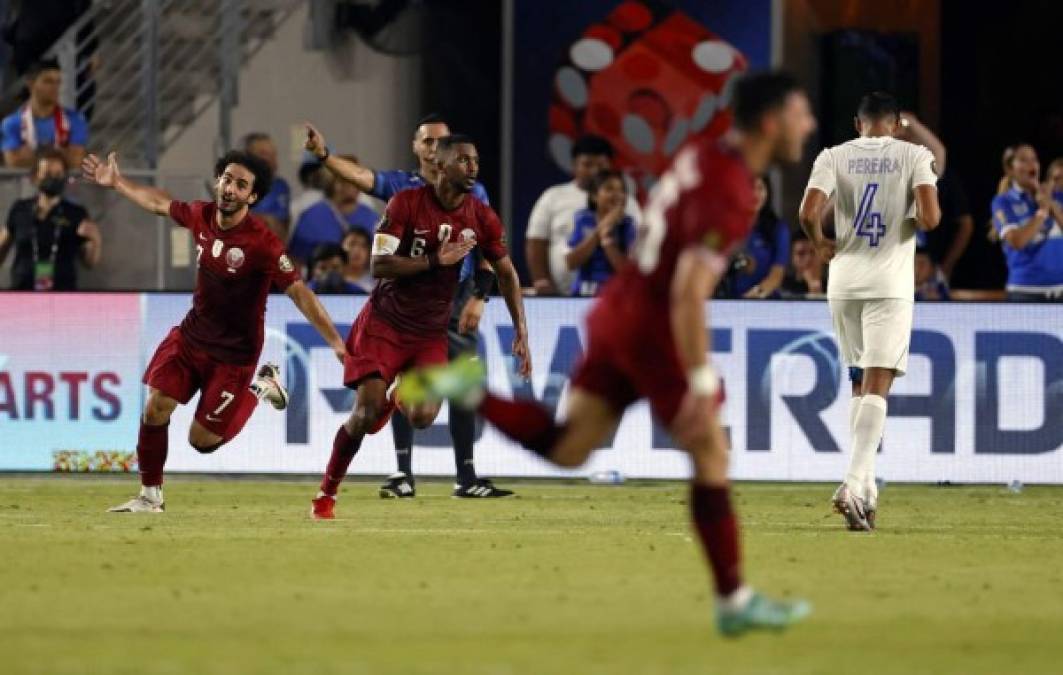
x: 363, y: 417
x: 156, y: 411
x: 423, y: 418
x: 207, y: 449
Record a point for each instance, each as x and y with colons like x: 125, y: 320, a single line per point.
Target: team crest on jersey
x: 234, y: 258
x: 468, y: 234
x: 216, y: 249
x: 285, y: 264
x: 444, y: 232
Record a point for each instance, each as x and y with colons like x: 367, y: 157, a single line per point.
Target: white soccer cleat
x: 852, y: 508
x: 139, y: 504
x: 267, y: 385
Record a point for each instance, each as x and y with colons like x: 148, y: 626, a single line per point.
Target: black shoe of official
x: 481, y: 488
x: 398, y: 486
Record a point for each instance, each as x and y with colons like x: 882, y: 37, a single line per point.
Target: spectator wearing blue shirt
x: 326, y: 272
x: 42, y: 122
x: 275, y: 207
x: 1027, y: 220
x: 330, y: 219
x: 766, y: 252
x: 602, y: 234
x: 476, y: 282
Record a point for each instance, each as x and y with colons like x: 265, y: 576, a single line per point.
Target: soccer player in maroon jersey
x: 423, y: 237
x: 647, y: 337
x: 216, y: 347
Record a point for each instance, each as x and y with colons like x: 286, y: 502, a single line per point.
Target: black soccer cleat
x: 398, y: 486
x: 481, y: 488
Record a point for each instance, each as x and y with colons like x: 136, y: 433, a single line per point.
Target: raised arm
x: 352, y: 172
x: 509, y: 285
x: 318, y: 316
x: 914, y: 131
x: 107, y: 175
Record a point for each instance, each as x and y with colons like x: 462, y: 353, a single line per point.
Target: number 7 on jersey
x: 869, y: 223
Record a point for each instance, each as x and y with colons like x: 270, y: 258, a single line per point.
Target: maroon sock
x: 152, y: 445
x: 344, y: 448
x: 718, y: 529
x: 526, y: 422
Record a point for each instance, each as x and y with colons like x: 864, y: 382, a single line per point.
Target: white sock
x: 738, y: 600
x: 153, y: 492
x: 854, y: 407
x: 867, y: 434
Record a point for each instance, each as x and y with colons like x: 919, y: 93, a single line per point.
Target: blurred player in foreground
x: 647, y: 337
x: 216, y: 347
x: 884, y: 190
x: 419, y: 246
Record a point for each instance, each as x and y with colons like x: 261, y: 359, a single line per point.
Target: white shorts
x: 874, y: 333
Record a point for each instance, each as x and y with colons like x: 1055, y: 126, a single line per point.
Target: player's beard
x: 234, y: 207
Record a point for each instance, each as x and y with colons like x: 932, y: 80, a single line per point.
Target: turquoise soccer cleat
x: 761, y: 613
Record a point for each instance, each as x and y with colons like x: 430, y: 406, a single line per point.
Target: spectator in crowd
x: 328, y: 220
x: 553, y: 217
x: 49, y: 233
x: 327, y: 267
x: 1027, y: 221
x: 766, y: 251
x: 274, y: 207
x: 313, y: 177
x: 807, y: 275
x: 948, y: 242
x: 357, y: 244
x: 1054, y: 179
x: 42, y: 122
x: 930, y: 281
x: 602, y: 234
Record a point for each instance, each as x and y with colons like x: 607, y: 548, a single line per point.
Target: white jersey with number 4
x: 873, y: 180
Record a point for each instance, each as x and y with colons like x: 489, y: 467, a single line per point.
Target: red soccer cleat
x: 322, y: 508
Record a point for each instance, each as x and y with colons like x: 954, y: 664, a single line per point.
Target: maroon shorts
x: 178, y: 370
x: 376, y: 348
x: 631, y: 355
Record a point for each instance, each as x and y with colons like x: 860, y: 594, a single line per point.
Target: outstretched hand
x: 100, y: 173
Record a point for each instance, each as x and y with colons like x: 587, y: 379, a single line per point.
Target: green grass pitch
x: 566, y: 578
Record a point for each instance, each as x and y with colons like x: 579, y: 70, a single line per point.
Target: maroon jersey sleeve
x: 493, y: 239
x: 185, y: 214
x: 396, y: 215
x: 281, y: 270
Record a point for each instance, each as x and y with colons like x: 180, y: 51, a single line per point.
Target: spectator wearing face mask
x: 357, y: 244
x: 49, y: 233
x: 1027, y: 220
x: 326, y: 272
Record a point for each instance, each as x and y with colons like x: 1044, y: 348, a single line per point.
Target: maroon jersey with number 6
x: 237, y: 267
x: 421, y: 304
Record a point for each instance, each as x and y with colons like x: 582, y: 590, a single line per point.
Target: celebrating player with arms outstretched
x: 885, y: 189
x: 216, y: 347
x: 425, y: 234
x: 647, y: 338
